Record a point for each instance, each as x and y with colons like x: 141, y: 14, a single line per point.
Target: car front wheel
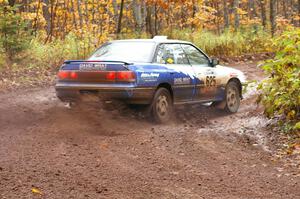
x: 233, y: 98
x: 162, y: 105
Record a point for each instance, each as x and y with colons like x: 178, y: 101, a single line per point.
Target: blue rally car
x: 157, y: 72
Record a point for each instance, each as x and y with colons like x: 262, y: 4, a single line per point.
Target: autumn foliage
x: 281, y: 91
x: 99, y: 20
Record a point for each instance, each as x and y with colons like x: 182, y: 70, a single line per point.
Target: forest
x: 100, y: 19
x: 37, y: 35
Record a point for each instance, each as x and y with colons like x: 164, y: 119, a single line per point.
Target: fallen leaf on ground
x: 36, y: 191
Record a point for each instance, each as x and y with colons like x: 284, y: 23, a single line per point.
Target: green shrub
x: 14, y: 37
x: 281, y: 92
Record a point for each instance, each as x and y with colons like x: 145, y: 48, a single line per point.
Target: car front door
x: 180, y: 71
x: 206, y: 80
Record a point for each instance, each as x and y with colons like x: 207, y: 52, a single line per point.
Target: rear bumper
x: 70, y: 92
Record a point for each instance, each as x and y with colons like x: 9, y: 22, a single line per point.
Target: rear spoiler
x: 78, y: 61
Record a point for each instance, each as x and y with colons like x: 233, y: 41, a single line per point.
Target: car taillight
x: 73, y: 75
x: 111, y: 76
x: 121, y: 76
x: 67, y: 75
x: 126, y: 76
x: 63, y: 74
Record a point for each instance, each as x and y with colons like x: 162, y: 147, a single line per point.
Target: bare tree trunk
x: 144, y: 14
x: 299, y: 12
x: 182, y: 10
x: 290, y: 11
x: 119, y: 27
x: 86, y: 12
x: 195, y: 9
x: 293, y: 9
x: 155, y: 20
x: 52, y: 15
x: 149, y: 21
x: 284, y: 10
x: 226, y: 17
x: 37, y: 18
x: 273, y: 16
x: 73, y: 13
x: 252, y: 9
x: 23, y: 7
x: 216, y: 5
x: 137, y: 11
x: 47, y: 15
x: 116, y: 11
x: 263, y: 13
x: 93, y: 17
x: 79, y: 14
x: 65, y: 19
x: 287, y: 8
x: 236, y: 14
x: 11, y: 2
x: 100, y: 27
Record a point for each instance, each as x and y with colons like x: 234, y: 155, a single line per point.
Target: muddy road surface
x: 50, y: 151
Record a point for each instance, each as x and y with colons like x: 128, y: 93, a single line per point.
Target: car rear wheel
x: 233, y: 98
x: 162, y: 105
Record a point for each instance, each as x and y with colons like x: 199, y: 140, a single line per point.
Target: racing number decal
x: 211, y: 81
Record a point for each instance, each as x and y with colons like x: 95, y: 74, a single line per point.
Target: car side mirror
x: 214, y: 62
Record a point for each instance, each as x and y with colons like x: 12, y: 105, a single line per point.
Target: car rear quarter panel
x: 151, y: 75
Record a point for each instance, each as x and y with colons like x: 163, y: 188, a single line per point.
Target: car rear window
x: 125, y: 51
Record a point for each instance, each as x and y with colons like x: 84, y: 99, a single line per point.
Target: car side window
x: 171, y: 54
x: 195, y: 56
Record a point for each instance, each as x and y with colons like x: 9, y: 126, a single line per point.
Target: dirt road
x: 89, y: 152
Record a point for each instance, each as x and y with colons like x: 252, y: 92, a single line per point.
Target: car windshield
x: 125, y: 51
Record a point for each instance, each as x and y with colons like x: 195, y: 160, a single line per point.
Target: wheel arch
x: 166, y: 86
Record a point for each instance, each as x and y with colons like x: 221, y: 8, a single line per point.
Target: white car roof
x: 153, y: 40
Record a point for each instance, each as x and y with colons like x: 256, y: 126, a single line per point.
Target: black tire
x: 232, y: 97
x: 162, y: 106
